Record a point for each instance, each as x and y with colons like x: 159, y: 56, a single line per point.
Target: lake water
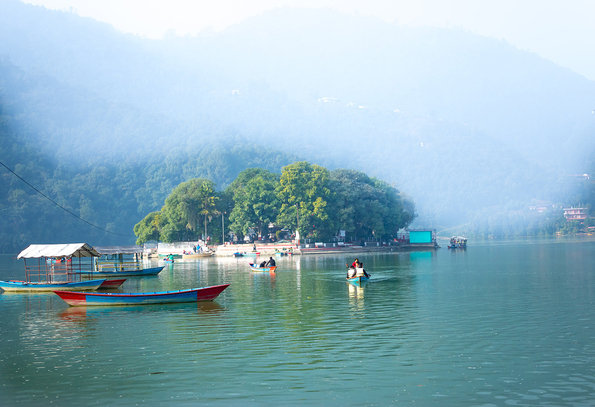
x: 508, y: 323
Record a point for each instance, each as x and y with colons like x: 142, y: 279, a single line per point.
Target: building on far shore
x: 579, y: 214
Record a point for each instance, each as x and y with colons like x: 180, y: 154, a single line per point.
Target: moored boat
x: 112, y: 283
x: 114, y: 264
x: 47, y: 275
x: 13, y: 285
x: 270, y: 269
x: 153, y: 271
x: 163, y: 297
x: 196, y: 255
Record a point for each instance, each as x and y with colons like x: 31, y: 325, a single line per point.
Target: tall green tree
x: 304, y: 192
x: 255, y: 201
x: 208, y: 204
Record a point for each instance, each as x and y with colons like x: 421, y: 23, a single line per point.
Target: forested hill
x: 462, y: 123
x: 104, y: 179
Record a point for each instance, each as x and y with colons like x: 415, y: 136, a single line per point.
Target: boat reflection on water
x: 81, y: 314
x: 356, y: 298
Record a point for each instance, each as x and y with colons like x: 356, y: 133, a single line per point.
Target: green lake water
x: 502, y: 323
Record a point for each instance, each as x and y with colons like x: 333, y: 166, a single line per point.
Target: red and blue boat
x: 82, y: 299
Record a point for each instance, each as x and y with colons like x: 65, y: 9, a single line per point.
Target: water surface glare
x: 502, y: 323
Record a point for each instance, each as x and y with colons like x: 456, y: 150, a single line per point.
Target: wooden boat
x: 13, y: 285
x: 120, y: 261
x: 153, y: 271
x: 358, y: 280
x: 169, y: 261
x: 251, y: 253
x: 196, y: 255
x: 163, y: 297
x: 112, y: 283
x: 45, y: 274
x: 270, y: 269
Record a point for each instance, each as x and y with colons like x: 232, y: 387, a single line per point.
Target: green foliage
x: 368, y: 206
x: 304, y: 192
x: 255, y: 201
x: 149, y: 228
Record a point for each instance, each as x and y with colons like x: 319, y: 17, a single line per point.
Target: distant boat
x: 270, y: 269
x: 458, y: 242
x: 163, y: 297
x: 13, y: 285
x: 197, y: 255
x: 238, y: 254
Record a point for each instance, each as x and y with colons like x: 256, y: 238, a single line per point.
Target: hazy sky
x: 562, y: 31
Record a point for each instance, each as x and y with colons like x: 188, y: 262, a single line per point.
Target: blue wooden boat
x: 13, y: 285
x: 153, y: 271
x: 358, y: 280
x: 82, y: 299
x: 270, y: 269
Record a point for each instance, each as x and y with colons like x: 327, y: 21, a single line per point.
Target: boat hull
x: 112, y: 283
x: 89, y: 285
x: 102, y: 299
x: 125, y: 273
x: 263, y: 269
x: 358, y: 280
x: 196, y: 256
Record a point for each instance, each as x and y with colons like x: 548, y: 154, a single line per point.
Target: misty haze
x: 391, y: 127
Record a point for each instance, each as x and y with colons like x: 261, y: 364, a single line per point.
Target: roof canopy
x: 35, y: 251
x: 118, y: 249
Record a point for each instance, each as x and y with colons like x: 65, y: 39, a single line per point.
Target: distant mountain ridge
x: 458, y: 121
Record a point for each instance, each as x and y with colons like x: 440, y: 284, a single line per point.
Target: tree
x: 184, y: 207
x: 255, y: 201
x: 304, y: 192
x: 148, y: 228
x: 208, y: 203
x: 367, y: 206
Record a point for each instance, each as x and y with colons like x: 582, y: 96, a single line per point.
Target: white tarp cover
x: 35, y: 251
x: 133, y: 249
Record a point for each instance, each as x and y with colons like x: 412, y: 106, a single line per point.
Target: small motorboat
x: 270, y: 269
x: 82, y: 299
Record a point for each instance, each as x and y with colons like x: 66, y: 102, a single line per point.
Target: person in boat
x: 263, y: 264
x: 352, y: 270
x: 360, y: 265
x: 271, y: 262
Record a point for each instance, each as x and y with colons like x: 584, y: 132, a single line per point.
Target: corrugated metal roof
x: 133, y: 249
x: 35, y: 251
